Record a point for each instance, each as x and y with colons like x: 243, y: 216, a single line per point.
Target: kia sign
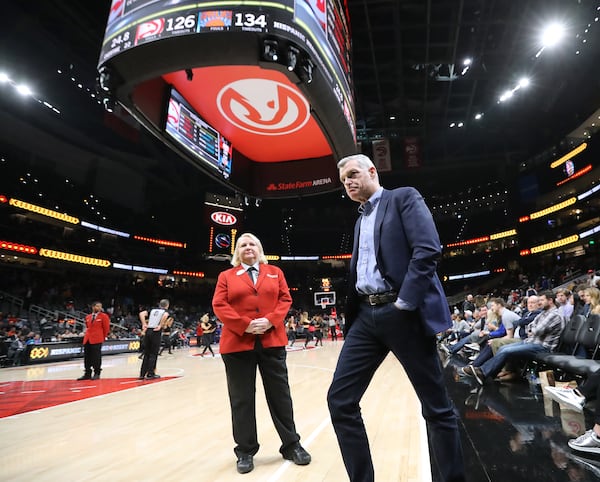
x: 223, y: 218
x: 239, y: 85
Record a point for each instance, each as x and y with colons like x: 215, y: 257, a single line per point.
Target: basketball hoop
x: 323, y: 305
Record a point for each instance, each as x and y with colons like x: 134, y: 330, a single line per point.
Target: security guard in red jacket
x: 97, y: 326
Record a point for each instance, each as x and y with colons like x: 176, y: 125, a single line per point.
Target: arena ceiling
x: 432, y: 70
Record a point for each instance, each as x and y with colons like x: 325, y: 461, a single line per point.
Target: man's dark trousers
x: 151, y: 348
x: 375, y: 332
x: 92, y: 358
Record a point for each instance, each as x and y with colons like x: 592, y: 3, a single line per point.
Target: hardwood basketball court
x: 179, y: 428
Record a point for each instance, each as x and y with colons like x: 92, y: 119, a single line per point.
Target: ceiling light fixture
x: 270, y: 50
x: 292, y: 57
x: 306, y: 71
x: 524, y: 82
x: 551, y: 36
x: 23, y: 90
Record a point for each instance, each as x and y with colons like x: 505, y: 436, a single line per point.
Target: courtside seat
x: 570, y: 340
x: 588, y: 336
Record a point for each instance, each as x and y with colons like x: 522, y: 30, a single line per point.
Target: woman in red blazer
x: 252, y: 300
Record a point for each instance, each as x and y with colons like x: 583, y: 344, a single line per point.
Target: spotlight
x: 105, y: 79
x: 270, y: 50
x: 246, y: 201
x: 257, y: 202
x: 306, y: 71
x: 552, y: 34
x: 189, y: 75
x: 109, y: 104
x: 24, y: 90
x: 3, y: 77
x: 292, y: 57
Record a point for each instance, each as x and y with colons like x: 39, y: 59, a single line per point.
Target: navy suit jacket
x: 407, y: 248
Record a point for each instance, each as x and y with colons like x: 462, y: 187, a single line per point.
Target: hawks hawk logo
x: 263, y: 106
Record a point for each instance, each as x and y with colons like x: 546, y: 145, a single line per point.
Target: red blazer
x: 97, y: 330
x: 237, y: 301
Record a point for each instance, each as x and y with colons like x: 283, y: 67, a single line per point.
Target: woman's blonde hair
x: 236, y: 261
x: 594, y: 294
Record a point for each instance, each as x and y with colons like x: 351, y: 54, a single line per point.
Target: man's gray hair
x: 163, y: 303
x: 362, y: 160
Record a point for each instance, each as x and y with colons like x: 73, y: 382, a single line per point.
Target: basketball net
x: 323, y: 306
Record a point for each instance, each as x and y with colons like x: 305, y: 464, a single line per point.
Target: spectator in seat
x: 591, y: 296
x: 543, y: 336
x: 468, y: 304
x: 578, y: 301
x: 16, y: 351
x: 565, y: 308
x: 593, y: 279
x: 479, y: 317
x: 506, y: 374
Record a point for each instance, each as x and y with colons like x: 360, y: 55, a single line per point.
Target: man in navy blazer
x: 395, y: 303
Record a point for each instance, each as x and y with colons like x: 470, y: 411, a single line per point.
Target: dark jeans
x: 92, y: 358
x: 240, y: 368
x: 458, y: 346
x: 151, y: 347
x: 484, y: 355
x: 376, y: 331
x: 492, y: 367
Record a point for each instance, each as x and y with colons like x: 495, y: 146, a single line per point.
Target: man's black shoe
x: 152, y: 376
x: 298, y: 455
x: 474, y: 372
x: 245, y: 464
x: 96, y: 376
x: 85, y: 377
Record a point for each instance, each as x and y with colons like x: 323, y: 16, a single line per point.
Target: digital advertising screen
x: 186, y: 127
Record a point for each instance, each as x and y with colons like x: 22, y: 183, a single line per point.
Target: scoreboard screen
x: 188, y: 129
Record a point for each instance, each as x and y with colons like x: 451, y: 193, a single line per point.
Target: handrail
x: 14, y: 300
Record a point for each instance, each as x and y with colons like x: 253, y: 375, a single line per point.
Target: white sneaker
x: 588, y: 442
x: 444, y: 348
x: 473, y: 346
x: 566, y: 397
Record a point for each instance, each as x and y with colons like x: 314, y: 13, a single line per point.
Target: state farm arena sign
x: 223, y: 218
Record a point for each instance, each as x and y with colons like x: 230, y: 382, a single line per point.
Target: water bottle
x: 532, y: 378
